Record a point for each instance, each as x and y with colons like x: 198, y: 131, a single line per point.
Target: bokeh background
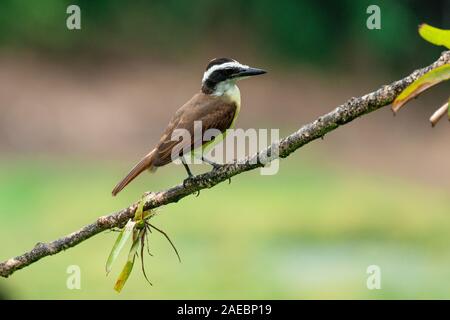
x: 78, y: 108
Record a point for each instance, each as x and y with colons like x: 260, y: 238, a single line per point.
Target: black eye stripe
x: 217, y: 76
x: 223, y: 74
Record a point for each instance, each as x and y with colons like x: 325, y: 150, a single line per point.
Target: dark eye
x: 228, y: 72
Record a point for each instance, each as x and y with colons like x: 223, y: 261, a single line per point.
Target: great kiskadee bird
x: 216, y: 106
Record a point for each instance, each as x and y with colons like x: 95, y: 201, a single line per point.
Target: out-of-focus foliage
x: 291, y: 235
x: 259, y: 245
x: 290, y: 31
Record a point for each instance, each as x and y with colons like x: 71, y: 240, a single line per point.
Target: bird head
x: 226, y: 71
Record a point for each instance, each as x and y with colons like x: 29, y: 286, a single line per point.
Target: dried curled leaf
x: 422, y: 84
x: 434, y: 35
x: 439, y: 113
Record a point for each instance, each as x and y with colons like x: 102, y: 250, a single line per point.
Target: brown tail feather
x: 145, y: 163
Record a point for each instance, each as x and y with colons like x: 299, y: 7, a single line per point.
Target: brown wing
x: 213, y: 112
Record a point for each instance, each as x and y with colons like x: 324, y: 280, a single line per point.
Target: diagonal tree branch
x: 352, y: 109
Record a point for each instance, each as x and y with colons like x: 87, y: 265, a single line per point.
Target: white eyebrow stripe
x: 222, y: 66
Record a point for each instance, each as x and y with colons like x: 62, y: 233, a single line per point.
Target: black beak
x: 250, y: 72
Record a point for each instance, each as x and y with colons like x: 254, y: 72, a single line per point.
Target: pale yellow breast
x: 234, y: 95
x: 231, y: 92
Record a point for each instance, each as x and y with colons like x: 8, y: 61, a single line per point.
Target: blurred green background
x: 78, y: 108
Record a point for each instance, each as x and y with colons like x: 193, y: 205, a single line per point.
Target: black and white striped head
x: 222, y: 72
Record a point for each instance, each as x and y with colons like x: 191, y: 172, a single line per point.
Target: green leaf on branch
x: 126, y: 271
x: 422, y: 84
x: 140, y: 215
x: 138, y: 227
x: 119, y: 244
x: 434, y: 35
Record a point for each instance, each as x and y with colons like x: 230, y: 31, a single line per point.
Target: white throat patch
x: 227, y: 87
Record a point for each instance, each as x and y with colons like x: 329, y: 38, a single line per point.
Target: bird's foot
x: 215, y: 166
x: 189, y: 179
